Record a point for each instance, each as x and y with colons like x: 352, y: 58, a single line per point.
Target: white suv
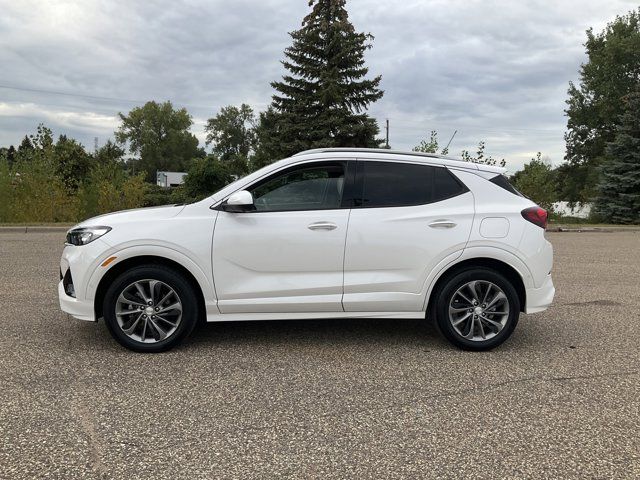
x: 327, y: 233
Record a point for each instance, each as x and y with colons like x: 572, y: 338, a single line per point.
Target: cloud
x: 492, y: 70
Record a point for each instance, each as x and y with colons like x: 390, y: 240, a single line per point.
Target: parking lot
x: 326, y: 399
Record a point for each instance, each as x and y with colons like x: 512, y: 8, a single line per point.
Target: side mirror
x: 241, y: 201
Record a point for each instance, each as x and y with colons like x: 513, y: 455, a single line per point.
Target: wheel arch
x: 480, y: 262
x: 140, y: 260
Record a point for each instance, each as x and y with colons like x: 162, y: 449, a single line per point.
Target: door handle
x: 442, y: 224
x: 322, y: 226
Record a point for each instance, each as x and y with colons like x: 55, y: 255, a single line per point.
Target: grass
x: 36, y: 224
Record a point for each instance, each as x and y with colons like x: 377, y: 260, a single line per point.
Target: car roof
x: 383, y: 153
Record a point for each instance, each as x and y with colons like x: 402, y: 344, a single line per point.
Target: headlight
x: 84, y: 235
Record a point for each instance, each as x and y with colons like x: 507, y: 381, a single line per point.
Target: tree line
x: 322, y: 101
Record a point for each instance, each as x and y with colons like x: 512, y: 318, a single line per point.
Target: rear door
x: 407, y: 217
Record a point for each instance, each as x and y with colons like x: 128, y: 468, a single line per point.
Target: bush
x: 157, y: 196
x: 109, y: 188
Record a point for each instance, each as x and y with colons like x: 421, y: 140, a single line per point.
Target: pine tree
x: 619, y: 188
x: 322, y: 100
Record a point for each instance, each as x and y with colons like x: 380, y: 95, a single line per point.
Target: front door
x: 287, y: 255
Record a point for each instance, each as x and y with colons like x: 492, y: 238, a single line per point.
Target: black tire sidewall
x: 449, y: 288
x: 166, y: 275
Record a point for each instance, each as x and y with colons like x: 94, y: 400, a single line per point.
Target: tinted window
x: 316, y: 187
x: 501, y: 181
x: 446, y: 185
x: 387, y: 184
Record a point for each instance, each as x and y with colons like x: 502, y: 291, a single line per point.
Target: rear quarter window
x: 446, y: 185
x: 503, y: 182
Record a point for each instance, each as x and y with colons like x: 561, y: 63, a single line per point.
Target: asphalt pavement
x: 326, y: 399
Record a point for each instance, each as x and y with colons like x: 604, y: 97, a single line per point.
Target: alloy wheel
x: 478, y: 310
x: 148, y: 311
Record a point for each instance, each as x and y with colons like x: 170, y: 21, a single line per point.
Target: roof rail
x: 372, y: 150
x: 461, y: 163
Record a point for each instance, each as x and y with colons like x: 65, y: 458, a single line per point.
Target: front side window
x: 312, y: 187
x: 394, y: 184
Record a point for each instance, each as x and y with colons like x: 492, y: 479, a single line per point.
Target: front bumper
x: 539, y: 299
x: 80, y: 309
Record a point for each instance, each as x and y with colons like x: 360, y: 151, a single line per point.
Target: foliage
x: 37, y: 193
x: 110, y: 152
x: 5, y: 188
x: 205, y: 177
x: 268, y: 132
x: 431, y: 145
x: 160, y: 135
x: 109, y: 188
x: 595, y: 105
x: 537, y: 181
x: 232, y: 133
x: 618, y: 198
x: 8, y: 154
x: 61, y: 182
x: 72, y: 162
x: 480, y: 158
x: 156, y: 195
x: 321, y: 100
x: 25, y: 146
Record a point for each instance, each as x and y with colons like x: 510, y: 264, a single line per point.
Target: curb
x: 32, y: 229
x: 593, y: 230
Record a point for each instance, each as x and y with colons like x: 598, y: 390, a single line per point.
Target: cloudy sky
x: 492, y: 70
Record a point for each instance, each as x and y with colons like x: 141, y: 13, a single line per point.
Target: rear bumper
x: 539, y: 299
x: 82, y: 310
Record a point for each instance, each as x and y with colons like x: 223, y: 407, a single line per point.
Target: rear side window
x: 394, y: 184
x: 503, y: 182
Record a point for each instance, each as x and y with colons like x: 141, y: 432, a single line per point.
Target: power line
x: 66, y: 94
x: 101, y: 98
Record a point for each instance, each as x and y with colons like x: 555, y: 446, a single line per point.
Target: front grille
x: 67, y: 283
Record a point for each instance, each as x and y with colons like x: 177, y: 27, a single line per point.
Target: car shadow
x: 321, y: 332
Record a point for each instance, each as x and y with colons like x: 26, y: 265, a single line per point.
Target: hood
x: 134, y: 215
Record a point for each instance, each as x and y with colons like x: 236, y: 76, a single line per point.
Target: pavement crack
x: 540, y: 378
x: 97, y: 447
x: 600, y: 303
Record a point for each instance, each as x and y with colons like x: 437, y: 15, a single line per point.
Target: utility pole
x: 387, y: 128
x: 95, y: 144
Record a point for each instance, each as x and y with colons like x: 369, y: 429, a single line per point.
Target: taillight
x: 535, y: 215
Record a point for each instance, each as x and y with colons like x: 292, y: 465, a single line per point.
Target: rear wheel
x: 477, y: 309
x: 150, y: 308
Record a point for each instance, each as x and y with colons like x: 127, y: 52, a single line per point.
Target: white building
x: 170, y: 179
x: 580, y: 210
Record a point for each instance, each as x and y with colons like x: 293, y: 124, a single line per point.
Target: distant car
x: 327, y: 233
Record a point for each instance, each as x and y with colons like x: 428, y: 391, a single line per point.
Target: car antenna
x: 447, y: 147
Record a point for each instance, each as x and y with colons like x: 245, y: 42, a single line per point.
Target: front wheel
x: 150, y: 308
x: 477, y: 309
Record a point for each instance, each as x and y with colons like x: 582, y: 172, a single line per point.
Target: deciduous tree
x: 233, y: 135
x: 160, y: 136
x: 537, y: 181
x: 594, y: 106
x: 205, y: 177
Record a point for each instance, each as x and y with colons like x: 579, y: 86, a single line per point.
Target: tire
x: 170, y: 314
x: 456, y: 315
